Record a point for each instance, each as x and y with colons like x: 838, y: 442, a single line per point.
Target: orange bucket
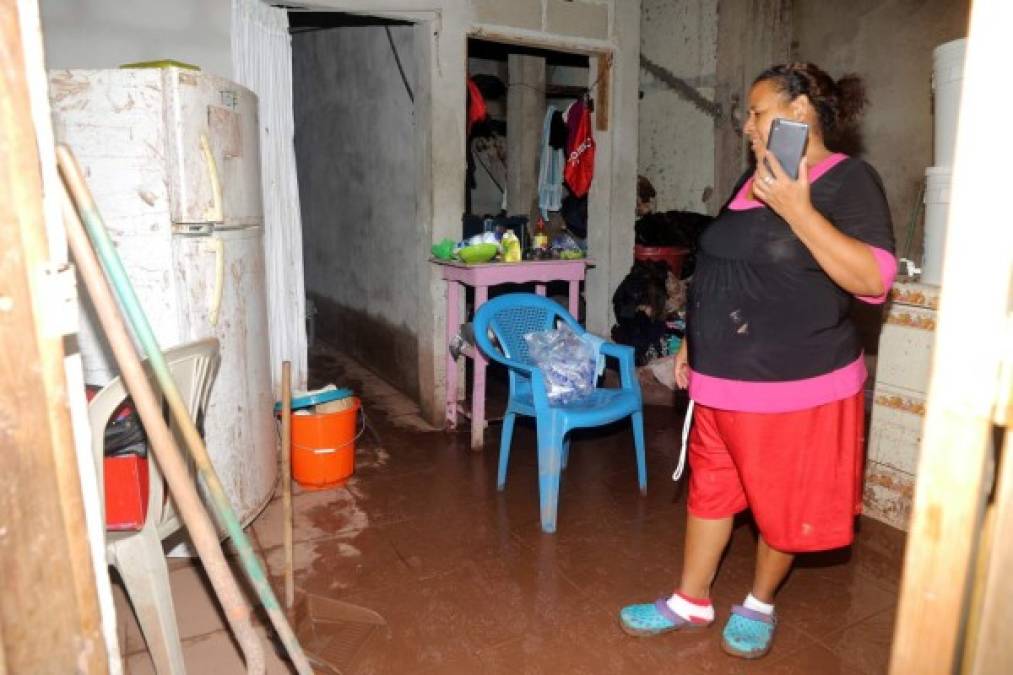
x: 323, y: 447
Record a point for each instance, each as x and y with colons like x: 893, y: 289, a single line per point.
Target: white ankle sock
x: 691, y: 609
x: 758, y: 605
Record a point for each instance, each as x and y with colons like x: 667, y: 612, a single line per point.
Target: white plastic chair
x: 138, y: 556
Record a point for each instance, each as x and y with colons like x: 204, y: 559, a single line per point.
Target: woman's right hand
x: 682, y: 366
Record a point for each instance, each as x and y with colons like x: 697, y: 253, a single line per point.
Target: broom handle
x: 170, y: 460
x: 106, y: 251
x: 286, y: 477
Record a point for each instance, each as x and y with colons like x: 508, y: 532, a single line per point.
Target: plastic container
x: 540, y: 239
x: 947, y: 79
x: 323, y: 447
x: 478, y: 253
x: 673, y: 255
x: 937, y: 206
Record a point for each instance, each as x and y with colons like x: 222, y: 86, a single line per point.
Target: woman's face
x: 766, y: 104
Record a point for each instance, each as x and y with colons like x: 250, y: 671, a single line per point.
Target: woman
x: 773, y: 364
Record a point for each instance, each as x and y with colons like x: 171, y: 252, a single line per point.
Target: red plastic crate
x: 126, y: 488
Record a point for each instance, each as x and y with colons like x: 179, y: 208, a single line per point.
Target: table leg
x: 575, y: 299
x: 540, y: 289
x: 478, y: 383
x: 450, y: 376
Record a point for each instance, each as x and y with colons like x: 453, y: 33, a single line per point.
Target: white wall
x: 679, y: 39
x: 355, y: 148
x: 107, y: 33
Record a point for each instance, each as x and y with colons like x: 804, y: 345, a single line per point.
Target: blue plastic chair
x: 511, y: 317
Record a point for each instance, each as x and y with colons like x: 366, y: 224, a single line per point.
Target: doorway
x: 519, y: 88
x: 354, y: 80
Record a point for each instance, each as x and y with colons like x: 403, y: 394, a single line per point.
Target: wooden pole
x: 286, y: 479
x: 966, y: 384
x: 49, y: 617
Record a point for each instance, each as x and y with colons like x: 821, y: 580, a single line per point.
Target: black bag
x: 124, y: 434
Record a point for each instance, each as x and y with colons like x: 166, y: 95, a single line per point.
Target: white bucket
x: 947, y: 78
x: 937, y: 206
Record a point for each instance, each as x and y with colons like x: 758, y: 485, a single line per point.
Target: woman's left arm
x: 846, y: 260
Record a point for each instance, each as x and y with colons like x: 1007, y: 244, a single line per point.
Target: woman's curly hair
x: 838, y: 103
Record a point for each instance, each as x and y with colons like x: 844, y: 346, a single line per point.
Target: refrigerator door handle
x: 214, y: 213
x: 217, y: 246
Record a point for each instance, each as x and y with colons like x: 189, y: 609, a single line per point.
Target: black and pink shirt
x: 768, y: 330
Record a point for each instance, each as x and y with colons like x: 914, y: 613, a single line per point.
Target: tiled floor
x: 469, y: 584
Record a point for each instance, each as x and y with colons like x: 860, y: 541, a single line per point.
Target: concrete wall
x: 698, y: 58
x: 678, y: 63
x: 355, y: 149
x: 751, y: 36
x: 107, y: 33
x: 889, y: 44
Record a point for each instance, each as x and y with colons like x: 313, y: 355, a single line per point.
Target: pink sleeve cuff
x: 887, y: 265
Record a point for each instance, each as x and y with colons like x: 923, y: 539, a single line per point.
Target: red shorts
x: 799, y: 472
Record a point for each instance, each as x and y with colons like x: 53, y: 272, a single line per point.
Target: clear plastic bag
x: 567, y: 363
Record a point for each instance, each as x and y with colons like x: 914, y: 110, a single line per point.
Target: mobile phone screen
x: 787, y: 140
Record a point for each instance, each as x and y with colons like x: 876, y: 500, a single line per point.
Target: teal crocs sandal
x: 748, y: 633
x: 654, y: 619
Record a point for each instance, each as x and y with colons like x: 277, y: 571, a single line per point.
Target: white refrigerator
x: 171, y: 156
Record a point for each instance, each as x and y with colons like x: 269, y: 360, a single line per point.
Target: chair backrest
x: 193, y: 367
x: 512, y: 316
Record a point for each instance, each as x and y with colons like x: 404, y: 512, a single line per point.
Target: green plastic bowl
x: 479, y: 253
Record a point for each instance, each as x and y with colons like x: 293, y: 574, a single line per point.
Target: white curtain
x: 262, y: 62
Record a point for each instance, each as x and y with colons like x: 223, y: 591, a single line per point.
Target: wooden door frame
x: 954, y: 597
x: 49, y: 616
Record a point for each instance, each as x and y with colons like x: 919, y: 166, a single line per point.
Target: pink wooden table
x: 481, y: 277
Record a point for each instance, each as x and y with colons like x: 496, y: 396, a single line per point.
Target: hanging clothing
x: 550, y: 172
x: 476, y: 105
x: 574, y: 212
x: 579, y: 169
x: 559, y: 133
x: 566, y: 116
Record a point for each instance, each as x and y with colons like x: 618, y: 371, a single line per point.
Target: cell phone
x: 787, y: 140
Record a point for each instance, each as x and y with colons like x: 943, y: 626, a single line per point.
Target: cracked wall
x: 678, y: 43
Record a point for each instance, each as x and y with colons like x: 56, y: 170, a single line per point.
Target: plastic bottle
x: 511, y: 247
x: 540, y: 240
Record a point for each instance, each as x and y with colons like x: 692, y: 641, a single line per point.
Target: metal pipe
x: 226, y: 515
x: 170, y: 460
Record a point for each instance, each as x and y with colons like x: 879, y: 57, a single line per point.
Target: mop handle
x: 142, y: 330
